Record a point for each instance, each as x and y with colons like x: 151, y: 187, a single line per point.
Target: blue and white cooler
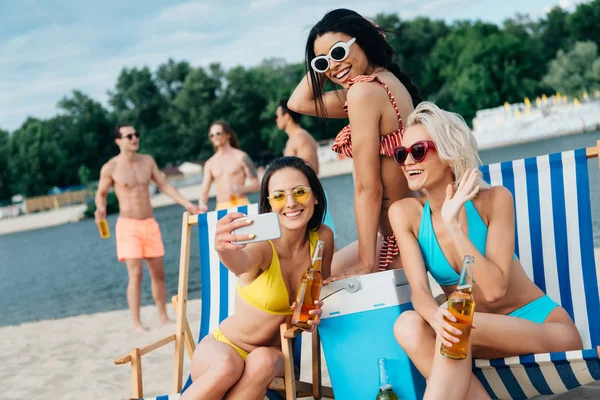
x: 357, y: 329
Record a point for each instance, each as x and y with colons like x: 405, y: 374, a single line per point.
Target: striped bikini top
x: 343, y: 141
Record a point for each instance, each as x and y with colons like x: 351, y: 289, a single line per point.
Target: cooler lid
x: 364, y: 293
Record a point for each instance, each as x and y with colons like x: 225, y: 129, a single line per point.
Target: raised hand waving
x: 467, y: 189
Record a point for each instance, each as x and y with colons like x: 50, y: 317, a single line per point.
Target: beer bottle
x: 309, y: 290
x: 104, y: 229
x: 461, y: 304
x: 385, y: 388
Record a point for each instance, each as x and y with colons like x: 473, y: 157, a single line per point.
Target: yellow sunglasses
x: 300, y: 194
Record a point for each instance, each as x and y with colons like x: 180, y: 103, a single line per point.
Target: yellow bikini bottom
x: 221, y: 338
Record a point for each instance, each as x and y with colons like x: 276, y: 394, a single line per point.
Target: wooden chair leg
x: 136, y: 374
x: 316, y: 365
x: 188, y: 337
x: 288, y: 358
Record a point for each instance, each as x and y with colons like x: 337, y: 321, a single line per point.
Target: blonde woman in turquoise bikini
x: 240, y: 358
x: 461, y: 215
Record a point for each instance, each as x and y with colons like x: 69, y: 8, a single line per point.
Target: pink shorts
x: 138, y: 238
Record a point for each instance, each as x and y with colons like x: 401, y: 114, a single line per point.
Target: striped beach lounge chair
x: 218, y: 294
x: 554, y: 241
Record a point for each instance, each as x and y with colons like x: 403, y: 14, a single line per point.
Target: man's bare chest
x: 226, y: 167
x: 132, y: 176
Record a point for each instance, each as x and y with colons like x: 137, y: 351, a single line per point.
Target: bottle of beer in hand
x: 103, y: 228
x: 385, y: 388
x: 461, y: 304
x: 309, y: 290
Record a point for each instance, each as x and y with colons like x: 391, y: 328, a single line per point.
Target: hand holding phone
x: 263, y: 227
x: 235, y: 230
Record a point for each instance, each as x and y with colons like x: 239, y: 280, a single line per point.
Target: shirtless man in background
x: 229, y: 168
x: 137, y: 233
x: 300, y: 143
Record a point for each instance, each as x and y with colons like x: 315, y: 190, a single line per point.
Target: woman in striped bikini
x: 375, y: 96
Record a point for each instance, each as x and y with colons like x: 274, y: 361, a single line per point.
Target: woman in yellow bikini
x: 243, y: 355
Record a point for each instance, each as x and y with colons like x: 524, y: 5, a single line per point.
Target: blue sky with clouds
x: 50, y: 47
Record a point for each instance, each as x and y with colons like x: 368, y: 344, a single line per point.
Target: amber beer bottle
x: 103, y: 228
x: 462, y: 306
x: 309, y: 290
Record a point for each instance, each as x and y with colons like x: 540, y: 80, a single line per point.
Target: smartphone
x: 263, y: 226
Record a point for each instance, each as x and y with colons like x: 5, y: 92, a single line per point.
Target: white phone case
x: 263, y: 226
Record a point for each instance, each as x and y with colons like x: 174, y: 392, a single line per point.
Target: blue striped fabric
x: 218, y: 284
x: 554, y: 241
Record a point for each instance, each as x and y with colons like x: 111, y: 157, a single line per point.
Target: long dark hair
x: 377, y: 49
x: 315, y: 185
x: 233, y: 139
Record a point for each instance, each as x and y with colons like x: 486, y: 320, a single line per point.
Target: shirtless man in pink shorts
x: 137, y: 233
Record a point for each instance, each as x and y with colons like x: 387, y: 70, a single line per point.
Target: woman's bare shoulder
x: 406, y: 211
x: 493, y: 198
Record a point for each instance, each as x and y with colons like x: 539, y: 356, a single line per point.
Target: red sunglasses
x: 417, y: 151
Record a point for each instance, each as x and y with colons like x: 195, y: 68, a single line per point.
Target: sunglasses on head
x: 214, y: 134
x: 300, y: 194
x: 417, y: 151
x: 131, y: 135
x: 338, y: 52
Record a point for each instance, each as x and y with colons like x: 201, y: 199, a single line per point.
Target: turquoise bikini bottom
x: 537, y: 311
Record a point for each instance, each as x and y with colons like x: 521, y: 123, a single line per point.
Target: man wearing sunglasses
x: 230, y: 168
x: 137, y: 232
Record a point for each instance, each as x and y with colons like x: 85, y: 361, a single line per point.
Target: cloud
x: 185, y: 12
x: 261, y: 4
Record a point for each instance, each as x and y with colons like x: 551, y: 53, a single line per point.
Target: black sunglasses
x: 131, y: 135
x: 418, y: 151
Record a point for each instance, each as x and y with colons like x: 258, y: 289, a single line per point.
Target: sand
x: 72, y: 358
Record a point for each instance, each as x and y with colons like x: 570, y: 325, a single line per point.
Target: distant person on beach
x: 241, y: 357
x: 376, y: 96
x: 230, y: 168
x: 137, y: 233
x: 300, y: 143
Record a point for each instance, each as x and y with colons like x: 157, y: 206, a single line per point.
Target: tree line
x: 463, y: 67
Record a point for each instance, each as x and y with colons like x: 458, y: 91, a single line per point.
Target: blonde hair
x: 454, y: 142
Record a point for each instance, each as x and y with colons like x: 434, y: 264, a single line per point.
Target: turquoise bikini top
x: 435, y: 261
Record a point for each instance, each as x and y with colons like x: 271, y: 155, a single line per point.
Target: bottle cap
x: 387, y: 386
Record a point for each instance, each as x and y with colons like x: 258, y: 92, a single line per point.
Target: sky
x: 48, y: 48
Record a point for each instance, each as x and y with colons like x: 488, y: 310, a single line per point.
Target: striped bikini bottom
x: 388, y: 251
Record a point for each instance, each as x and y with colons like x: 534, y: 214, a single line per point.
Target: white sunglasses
x: 338, y: 52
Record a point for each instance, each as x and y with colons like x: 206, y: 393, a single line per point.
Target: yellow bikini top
x: 268, y: 291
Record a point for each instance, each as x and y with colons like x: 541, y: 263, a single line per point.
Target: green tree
x: 575, y: 71
x: 36, y: 159
x: 583, y: 22
x: 413, y: 41
x: 194, y: 108
x: 85, y: 175
x: 5, y: 192
x: 83, y: 131
x: 554, y: 33
x: 170, y: 78
x: 480, y: 66
x: 137, y: 100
